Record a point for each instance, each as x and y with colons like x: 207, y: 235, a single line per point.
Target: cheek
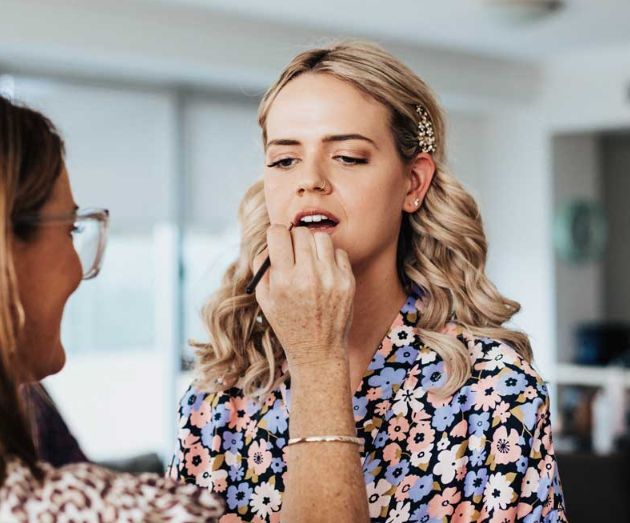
x: 277, y: 199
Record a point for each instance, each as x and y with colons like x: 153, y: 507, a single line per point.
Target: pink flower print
x: 188, y: 439
x: 421, y: 457
x: 546, y: 466
x: 199, y: 418
x: 503, y: 516
x: 398, y: 428
x: 443, y: 504
x: 530, y: 393
x: 501, y: 411
x: 402, y: 491
x: 485, y: 393
x: 530, y: 482
x: 460, y: 430
x: 421, y: 436
x: 373, y: 394
x: 464, y: 513
x: 238, y: 413
x: 259, y: 458
x: 252, y: 429
x: 219, y: 480
x: 392, y: 453
x: 382, y: 407
x: 216, y: 443
x: 505, y: 447
x: 197, y: 460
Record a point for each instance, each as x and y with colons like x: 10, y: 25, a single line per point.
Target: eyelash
x: 353, y: 161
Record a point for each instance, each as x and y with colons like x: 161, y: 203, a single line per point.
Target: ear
x: 420, y: 173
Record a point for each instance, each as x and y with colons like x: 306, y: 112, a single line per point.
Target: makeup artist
x: 371, y: 376
x: 40, y: 268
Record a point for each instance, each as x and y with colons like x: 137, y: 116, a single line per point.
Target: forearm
x: 324, y: 479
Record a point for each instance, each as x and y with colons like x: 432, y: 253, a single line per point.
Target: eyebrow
x: 326, y: 139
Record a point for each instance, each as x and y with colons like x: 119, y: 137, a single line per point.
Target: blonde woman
x: 40, y: 224
x: 375, y: 324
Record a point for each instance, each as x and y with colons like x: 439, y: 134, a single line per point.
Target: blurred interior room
x: 157, y: 102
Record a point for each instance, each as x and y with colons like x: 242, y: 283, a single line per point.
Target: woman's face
x: 48, y: 272
x: 324, y: 132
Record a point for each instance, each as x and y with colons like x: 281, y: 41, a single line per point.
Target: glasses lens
x: 88, y: 239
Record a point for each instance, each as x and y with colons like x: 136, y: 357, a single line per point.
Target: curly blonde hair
x: 441, y: 247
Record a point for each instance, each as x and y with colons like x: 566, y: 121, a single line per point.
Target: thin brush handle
x: 251, y: 286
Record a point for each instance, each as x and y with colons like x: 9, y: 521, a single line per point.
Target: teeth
x: 314, y: 218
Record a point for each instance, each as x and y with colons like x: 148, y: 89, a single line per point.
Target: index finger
x: 280, y: 247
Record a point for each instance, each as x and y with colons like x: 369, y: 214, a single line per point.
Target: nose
x: 313, y: 179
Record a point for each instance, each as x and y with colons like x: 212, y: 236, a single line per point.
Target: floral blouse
x: 482, y: 454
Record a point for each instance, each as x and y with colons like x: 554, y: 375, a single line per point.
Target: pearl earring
x: 416, y: 202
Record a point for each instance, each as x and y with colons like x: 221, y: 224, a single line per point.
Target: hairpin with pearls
x: 426, y: 133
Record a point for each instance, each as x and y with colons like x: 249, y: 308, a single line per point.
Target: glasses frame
x: 101, y: 216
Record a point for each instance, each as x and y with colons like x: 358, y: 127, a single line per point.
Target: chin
x: 53, y: 364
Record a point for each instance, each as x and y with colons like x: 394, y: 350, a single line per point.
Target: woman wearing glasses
x: 47, y: 246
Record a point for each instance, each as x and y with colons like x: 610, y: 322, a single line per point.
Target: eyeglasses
x: 89, y: 235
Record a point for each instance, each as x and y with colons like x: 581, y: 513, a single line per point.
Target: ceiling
x: 467, y: 25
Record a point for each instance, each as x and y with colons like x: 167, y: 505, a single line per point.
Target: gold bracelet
x: 344, y: 439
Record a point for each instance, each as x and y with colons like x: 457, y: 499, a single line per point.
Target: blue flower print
x: 433, y: 376
x: 238, y: 497
x: 463, y: 400
x: 387, y: 378
x: 479, y: 423
x: 276, y: 419
x: 512, y: 383
x: 359, y: 406
x: 475, y: 482
x: 232, y: 441
x: 277, y: 465
x: 421, y: 488
x: 443, y: 417
x: 192, y: 400
x: 406, y: 354
x: 236, y: 473
x: 396, y: 473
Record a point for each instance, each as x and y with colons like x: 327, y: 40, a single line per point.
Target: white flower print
x: 403, y: 335
x: 378, y: 496
x: 447, y: 465
x: 400, y: 514
x: 408, y: 398
x: 265, y: 500
x: 498, y: 492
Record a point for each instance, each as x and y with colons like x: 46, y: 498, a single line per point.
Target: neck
x: 378, y: 298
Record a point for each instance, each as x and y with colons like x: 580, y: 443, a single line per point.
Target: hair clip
x: 426, y: 133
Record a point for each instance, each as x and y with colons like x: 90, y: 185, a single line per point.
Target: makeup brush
x: 251, y: 286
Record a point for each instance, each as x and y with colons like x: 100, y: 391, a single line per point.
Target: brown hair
x: 441, y: 247
x: 31, y: 160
